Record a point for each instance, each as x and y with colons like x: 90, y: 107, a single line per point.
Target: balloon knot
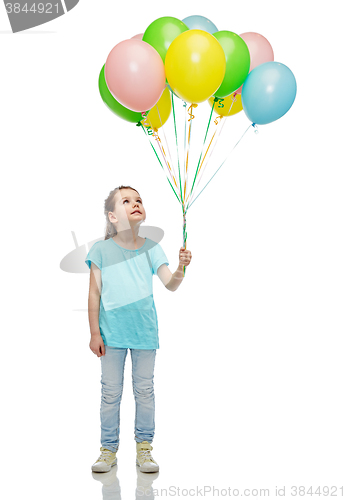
x: 190, y: 111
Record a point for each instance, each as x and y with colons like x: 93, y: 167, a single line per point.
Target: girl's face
x: 128, y: 211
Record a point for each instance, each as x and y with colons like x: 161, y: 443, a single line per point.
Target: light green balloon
x: 161, y: 32
x: 238, y: 61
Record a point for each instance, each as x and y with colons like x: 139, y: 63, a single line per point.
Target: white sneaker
x: 106, y: 460
x: 144, y: 458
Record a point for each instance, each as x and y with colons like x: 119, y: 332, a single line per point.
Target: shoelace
x: 105, y: 454
x: 146, y: 454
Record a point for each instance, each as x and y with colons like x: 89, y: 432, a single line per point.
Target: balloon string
x: 232, y: 102
x: 178, y: 158
x: 186, y: 162
x: 167, y: 147
x: 161, y: 147
x: 185, y: 234
x: 162, y: 150
x: 186, y: 158
x: 220, y: 101
x: 185, y: 144
x: 217, y: 133
x: 220, y: 166
x: 190, y: 113
x: 221, y: 104
x: 206, y: 153
x: 147, y: 135
x: 217, y: 121
x: 197, y: 168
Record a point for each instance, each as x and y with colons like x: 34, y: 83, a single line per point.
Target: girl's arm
x: 173, y: 281
x: 96, y: 343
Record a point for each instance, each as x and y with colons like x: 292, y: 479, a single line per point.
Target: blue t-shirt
x: 127, y: 315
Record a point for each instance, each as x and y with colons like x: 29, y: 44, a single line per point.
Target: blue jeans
x: 112, y: 377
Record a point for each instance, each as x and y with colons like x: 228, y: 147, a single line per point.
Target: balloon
x: 200, y: 23
x: 162, y: 32
x: 268, y: 92
x: 168, y: 86
x: 195, y: 65
x: 259, y: 48
x: 137, y: 37
x: 225, y: 108
x: 135, y: 74
x: 237, y: 62
x: 156, y: 120
x: 113, y: 104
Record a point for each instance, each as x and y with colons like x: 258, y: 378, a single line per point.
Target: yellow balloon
x: 154, y: 119
x: 224, y: 108
x: 195, y: 65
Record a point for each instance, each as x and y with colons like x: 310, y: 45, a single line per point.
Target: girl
x: 122, y: 316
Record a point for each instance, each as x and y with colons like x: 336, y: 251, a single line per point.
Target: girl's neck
x: 128, y: 238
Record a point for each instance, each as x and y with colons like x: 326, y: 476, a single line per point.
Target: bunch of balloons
x: 196, y: 62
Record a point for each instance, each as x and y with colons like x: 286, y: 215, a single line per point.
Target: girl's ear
x: 112, y: 218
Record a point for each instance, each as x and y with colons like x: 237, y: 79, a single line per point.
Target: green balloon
x: 162, y: 32
x: 238, y: 62
x: 113, y: 104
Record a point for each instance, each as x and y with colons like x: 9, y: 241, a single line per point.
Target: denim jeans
x: 112, y: 377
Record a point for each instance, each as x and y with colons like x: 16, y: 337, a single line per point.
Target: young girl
x: 122, y: 316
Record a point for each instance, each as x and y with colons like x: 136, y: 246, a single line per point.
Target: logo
x: 74, y: 261
x: 24, y: 15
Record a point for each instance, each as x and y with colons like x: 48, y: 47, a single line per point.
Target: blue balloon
x: 268, y: 92
x: 200, y: 23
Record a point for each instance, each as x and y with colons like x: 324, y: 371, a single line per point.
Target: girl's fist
x: 97, y: 346
x: 185, y: 257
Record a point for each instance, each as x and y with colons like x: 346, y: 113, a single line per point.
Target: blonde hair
x: 109, y: 207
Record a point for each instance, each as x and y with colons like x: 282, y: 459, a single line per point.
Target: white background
x: 250, y: 377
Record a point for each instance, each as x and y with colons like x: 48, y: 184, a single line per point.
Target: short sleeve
x: 158, y: 258
x: 94, y: 255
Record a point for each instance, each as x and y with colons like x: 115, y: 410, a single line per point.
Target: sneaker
x: 144, y: 458
x: 109, y: 480
x: 106, y: 460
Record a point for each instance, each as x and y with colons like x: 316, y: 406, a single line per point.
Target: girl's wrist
x: 95, y: 333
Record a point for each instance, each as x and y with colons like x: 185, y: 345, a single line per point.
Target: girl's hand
x: 185, y: 257
x: 97, y: 345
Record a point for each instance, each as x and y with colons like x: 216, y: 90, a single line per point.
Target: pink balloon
x: 135, y: 74
x: 137, y: 37
x: 260, y: 50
